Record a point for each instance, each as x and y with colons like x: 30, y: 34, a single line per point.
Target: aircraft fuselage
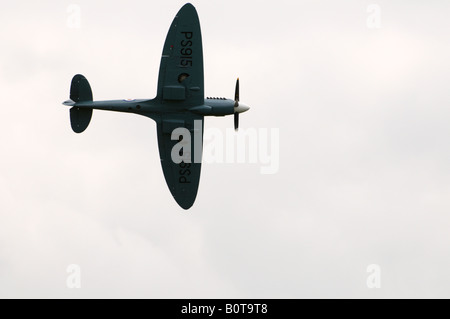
x: 154, y: 107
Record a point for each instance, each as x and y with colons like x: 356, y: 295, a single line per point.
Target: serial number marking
x: 186, y: 49
x: 184, y: 173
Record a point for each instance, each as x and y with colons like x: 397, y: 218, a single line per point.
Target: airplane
x: 178, y: 109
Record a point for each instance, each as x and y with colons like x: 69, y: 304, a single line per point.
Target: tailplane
x: 80, y: 91
x: 80, y: 118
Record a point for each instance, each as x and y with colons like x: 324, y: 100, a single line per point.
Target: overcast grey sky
x: 357, y: 92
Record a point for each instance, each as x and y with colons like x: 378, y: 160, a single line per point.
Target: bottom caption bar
x: 223, y: 308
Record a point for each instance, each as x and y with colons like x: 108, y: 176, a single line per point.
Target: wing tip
x: 184, y: 202
x: 186, y: 199
x: 187, y: 205
x: 187, y: 6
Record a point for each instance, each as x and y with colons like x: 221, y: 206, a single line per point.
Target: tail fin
x: 80, y: 91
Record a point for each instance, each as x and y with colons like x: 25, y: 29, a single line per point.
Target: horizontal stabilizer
x: 80, y: 118
x: 80, y: 90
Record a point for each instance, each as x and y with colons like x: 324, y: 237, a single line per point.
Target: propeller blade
x: 236, y: 121
x: 236, y: 91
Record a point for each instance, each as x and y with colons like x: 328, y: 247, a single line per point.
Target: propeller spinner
x: 238, y: 107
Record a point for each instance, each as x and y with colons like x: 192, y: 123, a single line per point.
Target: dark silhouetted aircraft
x: 178, y: 108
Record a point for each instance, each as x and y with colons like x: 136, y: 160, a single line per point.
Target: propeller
x: 238, y: 107
x: 236, y: 104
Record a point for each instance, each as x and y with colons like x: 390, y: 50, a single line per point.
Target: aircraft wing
x: 181, y: 71
x: 182, y: 178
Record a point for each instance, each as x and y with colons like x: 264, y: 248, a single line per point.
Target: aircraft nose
x: 241, y: 108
